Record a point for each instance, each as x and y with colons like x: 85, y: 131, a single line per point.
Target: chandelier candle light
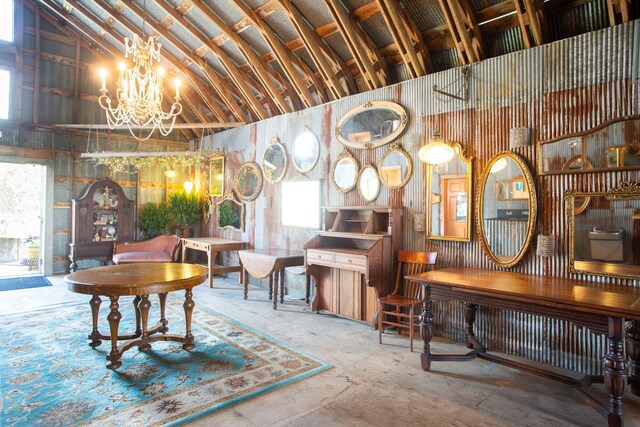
x: 139, y: 92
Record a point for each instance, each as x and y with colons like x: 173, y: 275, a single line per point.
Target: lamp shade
x: 436, y: 152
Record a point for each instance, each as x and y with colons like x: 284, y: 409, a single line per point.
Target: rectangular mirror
x: 604, y: 231
x: 449, y: 198
x: 300, y: 204
x: 612, y: 145
x: 511, y: 189
x: 216, y: 176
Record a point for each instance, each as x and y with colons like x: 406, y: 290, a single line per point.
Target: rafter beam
x: 464, y: 30
x: 532, y: 21
x: 619, y: 11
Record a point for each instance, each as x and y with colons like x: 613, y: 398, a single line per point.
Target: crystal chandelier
x: 139, y: 92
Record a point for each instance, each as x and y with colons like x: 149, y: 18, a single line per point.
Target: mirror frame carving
x: 344, y: 155
x: 533, y: 209
x: 256, y: 168
x: 459, y: 149
x: 217, y: 155
x: 367, y: 106
x: 275, y: 141
x: 624, y: 190
x: 229, y: 195
x: 563, y: 171
x: 365, y: 167
x: 293, y: 150
x: 396, y: 148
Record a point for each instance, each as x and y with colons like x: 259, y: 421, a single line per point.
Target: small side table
x: 261, y: 263
x: 213, y: 245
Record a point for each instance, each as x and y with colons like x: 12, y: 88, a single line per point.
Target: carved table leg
x: 114, y: 320
x: 470, y: 336
x: 633, y: 355
x: 281, y: 286
x: 94, y: 336
x: 275, y: 289
x: 163, y: 319
x: 270, y: 286
x: 307, y: 290
x: 245, y: 276
x: 188, y: 310
x: 426, y: 330
x: 144, y: 305
x: 615, y: 371
x: 136, y: 308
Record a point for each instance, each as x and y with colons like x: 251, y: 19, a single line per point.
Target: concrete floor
x: 370, y: 384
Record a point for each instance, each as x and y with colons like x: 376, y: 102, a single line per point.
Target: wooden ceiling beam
x: 464, y: 30
x: 284, y: 56
x: 236, y: 76
x: 619, y: 11
x: 260, y: 68
x: 532, y: 21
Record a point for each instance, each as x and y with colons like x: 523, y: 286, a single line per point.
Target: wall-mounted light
x: 436, y: 151
x: 170, y: 173
x: 188, y: 186
x: 546, y: 245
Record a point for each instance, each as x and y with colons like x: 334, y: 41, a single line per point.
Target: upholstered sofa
x: 159, y: 249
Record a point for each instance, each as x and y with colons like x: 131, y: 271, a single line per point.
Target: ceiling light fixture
x: 436, y: 151
x: 139, y: 92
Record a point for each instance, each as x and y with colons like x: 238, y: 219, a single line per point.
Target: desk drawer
x: 352, y: 261
x: 321, y: 257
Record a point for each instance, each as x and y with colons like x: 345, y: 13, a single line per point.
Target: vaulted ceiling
x: 247, y: 60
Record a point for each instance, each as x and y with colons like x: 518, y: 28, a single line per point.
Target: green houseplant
x: 185, y: 208
x: 155, y: 220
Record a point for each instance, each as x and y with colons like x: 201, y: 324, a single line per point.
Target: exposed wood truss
x: 619, y: 11
x: 532, y: 21
x: 464, y: 30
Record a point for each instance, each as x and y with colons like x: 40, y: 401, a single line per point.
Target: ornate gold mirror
x: 604, y: 239
x: 230, y: 213
x: 274, y: 161
x: 368, y: 183
x: 395, y: 167
x: 344, y: 172
x: 216, y: 176
x: 450, y: 197
x: 612, y: 145
x: 305, y: 151
x: 371, y: 125
x: 506, y: 218
x: 248, y: 181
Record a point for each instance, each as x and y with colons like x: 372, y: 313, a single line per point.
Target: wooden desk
x: 213, y: 245
x: 261, y: 263
x: 141, y: 280
x: 600, y: 307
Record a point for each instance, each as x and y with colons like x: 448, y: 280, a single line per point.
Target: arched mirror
x: 248, y: 181
x: 216, y: 176
x: 449, y: 198
x: 507, y: 206
x: 305, y: 151
x: 371, y: 125
x: 230, y: 213
x: 395, y: 167
x: 274, y: 161
x: 577, y: 163
x: 368, y: 183
x: 344, y: 172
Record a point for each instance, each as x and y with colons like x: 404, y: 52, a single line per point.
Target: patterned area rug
x: 23, y: 283
x: 49, y: 376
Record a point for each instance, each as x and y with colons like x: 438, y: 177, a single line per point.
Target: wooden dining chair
x: 398, y: 309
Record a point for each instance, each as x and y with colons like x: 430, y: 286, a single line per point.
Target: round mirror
x: 368, y: 183
x: 305, y: 151
x: 395, y: 167
x: 248, y: 181
x: 507, y: 206
x: 344, y: 172
x: 371, y: 125
x: 274, y: 161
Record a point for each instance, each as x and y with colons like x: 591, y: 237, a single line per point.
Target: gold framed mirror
x: 216, y: 176
x: 344, y: 172
x: 506, y: 222
x: 395, y: 167
x: 368, y: 183
x: 230, y: 213
x: 248, y: 181
x: 450, y: 197
x: 604, y: 240
x: 578, y: 163
x: 371, y: 125
x: 274, y: 161
x: 305, y: 151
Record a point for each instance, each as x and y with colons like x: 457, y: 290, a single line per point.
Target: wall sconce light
x: 519, y: 137
x: 170, y: 173
x: 419, y: 222
x: 436, y: 151
x: 546, y: 245
x: 188, y: 186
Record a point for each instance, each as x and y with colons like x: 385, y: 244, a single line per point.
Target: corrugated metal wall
x: 565, y: 87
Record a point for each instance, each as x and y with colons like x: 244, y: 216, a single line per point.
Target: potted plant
x: 155, y: 220
x: 185, y: 210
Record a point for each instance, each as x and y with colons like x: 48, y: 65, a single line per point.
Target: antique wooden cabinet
x: 352, y: 259
x: 101, y: 216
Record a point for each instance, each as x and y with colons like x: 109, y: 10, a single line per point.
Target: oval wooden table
x: 141, y: 280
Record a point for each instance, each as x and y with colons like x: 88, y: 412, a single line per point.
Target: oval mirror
x: 371, y: 125
x: 305, y: 151
x: 248, y: 181
x: 368, y: 183
x: 274, y: 161
x: 395, y: 167
x: 507, y: 206
x: 344, y: 172
x: 449, y: 198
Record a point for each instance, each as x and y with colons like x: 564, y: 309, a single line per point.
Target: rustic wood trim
x: 36, y: 71
x: 76, y: 82
x: 28, y: 153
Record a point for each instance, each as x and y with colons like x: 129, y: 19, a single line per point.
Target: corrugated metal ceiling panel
x: 314, y: 11
x: 226, y: 11
x: 280, y: 23
x: 336, y: 41
x: 426, y: 14
x: 377, y: 30
x: 476, y: 5
x: 254, y: 38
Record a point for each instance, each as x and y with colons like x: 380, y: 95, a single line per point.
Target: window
x: 5, y: 90
x: 6, y: 20
x: 301, y: 204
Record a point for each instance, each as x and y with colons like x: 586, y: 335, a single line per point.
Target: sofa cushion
x: 127, y: 257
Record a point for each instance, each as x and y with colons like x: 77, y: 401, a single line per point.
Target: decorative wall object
x: 305, y: 151
x: 344, y: 172
x: 395, y: 167
x: 546, y: 246
x: 519, y: 137
x: 274, y: 161
x: 368, y: 183
x: 371, y: 125
x: 216, y: 176
x: 248, y: 181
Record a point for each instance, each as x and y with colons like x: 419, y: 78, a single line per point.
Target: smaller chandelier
x: 139, y: 92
